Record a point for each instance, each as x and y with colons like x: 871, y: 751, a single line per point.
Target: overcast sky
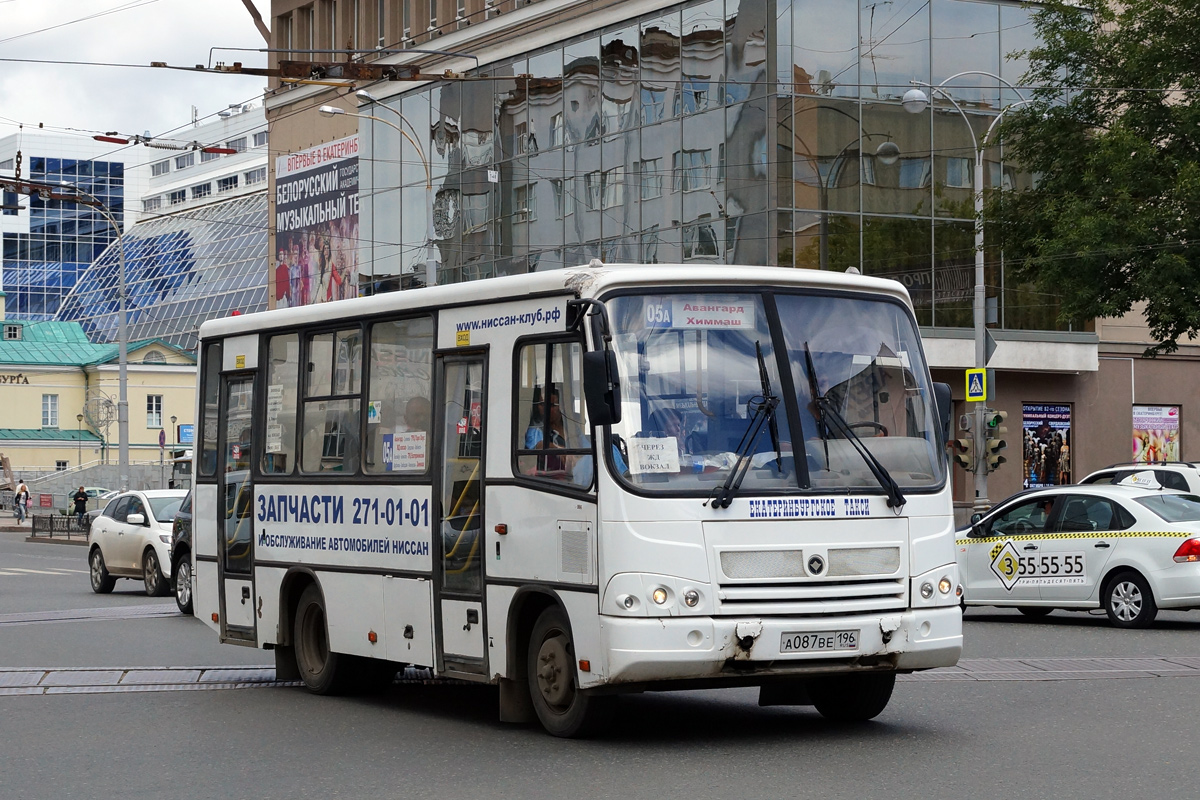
x: 110, y: 98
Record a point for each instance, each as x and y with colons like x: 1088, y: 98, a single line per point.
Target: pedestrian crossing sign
x: 976, y: 386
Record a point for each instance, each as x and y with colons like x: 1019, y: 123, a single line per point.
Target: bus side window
x: 209, y: 407
x: 279, y: 443
x: 332, y: 402
x: 552, y: 436
x: 399, y: 396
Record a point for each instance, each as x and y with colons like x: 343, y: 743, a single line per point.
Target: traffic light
x: 995, y: 443
x: 964, y: 448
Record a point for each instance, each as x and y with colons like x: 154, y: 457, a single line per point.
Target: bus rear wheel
x: 561, y: 707
x: 852, y: 698
x: 321, y: 670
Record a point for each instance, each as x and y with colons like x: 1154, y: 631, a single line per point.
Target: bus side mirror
x: 942, y: 399
x: 601, y: 387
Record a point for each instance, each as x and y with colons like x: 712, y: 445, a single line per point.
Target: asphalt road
x: 1014, y: 738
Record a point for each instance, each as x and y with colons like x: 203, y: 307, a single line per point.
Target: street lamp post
x: 174, y: 437
x: 430, y: 234
x: 915, y: 101
x: 79, y: 438
x: 83, y: 197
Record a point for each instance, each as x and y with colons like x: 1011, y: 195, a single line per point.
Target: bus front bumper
x: 681, y: 648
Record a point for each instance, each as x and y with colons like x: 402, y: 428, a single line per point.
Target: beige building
x: 59, y: 392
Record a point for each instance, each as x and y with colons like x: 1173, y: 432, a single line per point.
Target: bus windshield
x: 696, y: 368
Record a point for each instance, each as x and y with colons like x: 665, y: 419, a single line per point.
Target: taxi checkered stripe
x: 1036, y: 537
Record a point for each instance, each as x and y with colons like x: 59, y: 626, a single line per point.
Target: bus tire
x: 560, y: 706
x: 323, y: 671
x: 852, y: 698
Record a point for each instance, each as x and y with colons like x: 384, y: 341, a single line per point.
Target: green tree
x: 1113, y: 140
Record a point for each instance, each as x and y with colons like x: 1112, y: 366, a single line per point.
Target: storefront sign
x: 1047, y: 444
x: 18, y: 378
x: 1155, y: 433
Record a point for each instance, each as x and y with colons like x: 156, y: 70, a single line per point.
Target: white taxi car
x: 1129, y: 548
x: 131, y: 538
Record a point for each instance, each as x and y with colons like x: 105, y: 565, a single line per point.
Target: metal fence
x: 57, y: 526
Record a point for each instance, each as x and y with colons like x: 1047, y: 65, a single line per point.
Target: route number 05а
x: 658, y: 315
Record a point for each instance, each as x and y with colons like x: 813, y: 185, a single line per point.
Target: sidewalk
x: 10, y: 525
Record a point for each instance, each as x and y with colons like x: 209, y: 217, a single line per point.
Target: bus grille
x: 855, y: 561
x: 762, y: 564
x: 813, y: 598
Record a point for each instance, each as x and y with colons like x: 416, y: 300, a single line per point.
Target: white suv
x: 131, y: 538
x: 1179, y: 475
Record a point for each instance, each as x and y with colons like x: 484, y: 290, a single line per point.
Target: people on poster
x: 321, y: 265
x: 1046, y: 445
x: 1155, y: 433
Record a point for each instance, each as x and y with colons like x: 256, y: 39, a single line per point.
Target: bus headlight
x: 659, y: 595
x: 690, y: 598
x: 627, y: 602
x: 927, y: 590
x: 944, y: 586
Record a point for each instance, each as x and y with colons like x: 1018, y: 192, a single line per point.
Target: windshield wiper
x: 829, y: 419
x: 772, y: 422
x: 763, y: 411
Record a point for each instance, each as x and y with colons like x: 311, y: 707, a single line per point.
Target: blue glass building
x: 42, y: 266
x: 180, y: 269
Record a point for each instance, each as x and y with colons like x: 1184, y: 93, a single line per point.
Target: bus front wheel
x: 320, y: 669
x: 561, y: 707
x: 852, y: 698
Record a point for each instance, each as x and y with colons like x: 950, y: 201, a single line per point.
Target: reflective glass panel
x: 825, y: 49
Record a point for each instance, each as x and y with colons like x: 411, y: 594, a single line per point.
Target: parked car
x: 131, y: 538
x: 1180, y: 475
x: 97, y: 492
x: 181, y: 555
x: 1129, y: 548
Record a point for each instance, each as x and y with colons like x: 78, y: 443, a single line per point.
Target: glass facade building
x: 722, y: 131
x: 42, y: 266
x: 181, y: 269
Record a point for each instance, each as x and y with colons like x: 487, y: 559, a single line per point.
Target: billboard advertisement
x: 1155, y: 433
x: 316, y: 225
x: 1046, y: 434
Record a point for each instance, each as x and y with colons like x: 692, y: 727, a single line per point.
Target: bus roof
x: 584, y: 281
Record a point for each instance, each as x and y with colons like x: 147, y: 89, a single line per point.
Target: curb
x: 49, y: 540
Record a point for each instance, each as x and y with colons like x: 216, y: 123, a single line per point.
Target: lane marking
x: 146, y: 611
x: 56, y: 571
x: 1061, y: 669
x: 83, y: 680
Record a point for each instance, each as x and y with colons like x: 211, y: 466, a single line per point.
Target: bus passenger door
x: 235, y: 510
x: 459, y: 566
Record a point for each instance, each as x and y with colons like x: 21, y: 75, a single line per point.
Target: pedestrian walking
x: 80, y: 499
x: 21, y: 501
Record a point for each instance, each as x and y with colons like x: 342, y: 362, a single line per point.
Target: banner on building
x: 1155, y: 433
x: 1046, y: 434
x: 316, y: 225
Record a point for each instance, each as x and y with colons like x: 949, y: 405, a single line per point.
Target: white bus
x: 580, y: 483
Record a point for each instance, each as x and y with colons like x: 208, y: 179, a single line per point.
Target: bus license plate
x: 817, y: 641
